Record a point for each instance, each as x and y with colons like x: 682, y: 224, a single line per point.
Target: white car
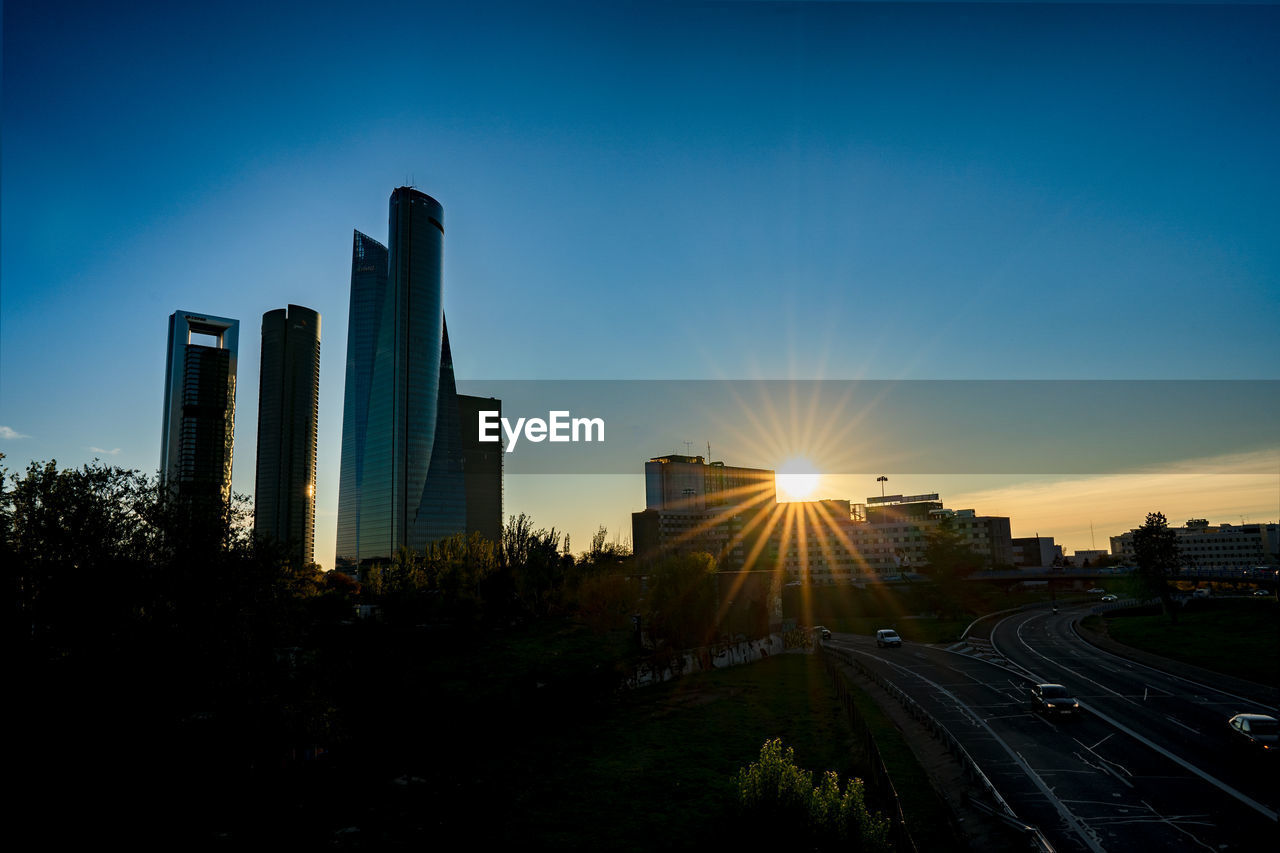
x: 1110, y: 597
x: 1255, y: 730
x: 887, y: 637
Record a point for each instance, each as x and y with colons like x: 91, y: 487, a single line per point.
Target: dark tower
x: 199, y: 408
x: 288, y: 413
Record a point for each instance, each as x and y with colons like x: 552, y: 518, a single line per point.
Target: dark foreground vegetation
x: 183, y: 685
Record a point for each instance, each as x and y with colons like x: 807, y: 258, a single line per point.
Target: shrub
x: 780, y: 804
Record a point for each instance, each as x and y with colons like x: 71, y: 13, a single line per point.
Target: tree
x: 682, y: 600
x: 607, y: 601
x: 1155, y: 549
x: 950, y: 560
x: 534, y: 564
x: 76, y: 547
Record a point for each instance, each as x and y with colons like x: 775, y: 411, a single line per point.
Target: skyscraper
x: 199, y: 406
x: 402, y: 482
x: 288, y: 410
x: 481, y: 468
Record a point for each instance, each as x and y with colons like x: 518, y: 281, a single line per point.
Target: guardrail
x: 881, y: 782
x: 972, y: 771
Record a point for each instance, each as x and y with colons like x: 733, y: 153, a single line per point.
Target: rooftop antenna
x: 708, y: 451
x: 688, y: 448
x: 1092, y: 544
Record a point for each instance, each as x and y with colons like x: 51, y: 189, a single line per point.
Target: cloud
x: 114, y: 452
x: 10, y: 432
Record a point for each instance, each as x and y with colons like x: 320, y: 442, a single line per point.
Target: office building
x: 402, y: 483
x: 1202, y: 545
x: 694, y: 505
x: 288, y: 413
x: 1036, y: 552
x: 481, y: 468
x: 199, y: 407
x: 835, y: 541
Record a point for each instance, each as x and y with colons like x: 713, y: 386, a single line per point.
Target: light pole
x: 882, y: 479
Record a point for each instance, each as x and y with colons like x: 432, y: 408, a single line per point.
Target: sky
x: 734, y: 190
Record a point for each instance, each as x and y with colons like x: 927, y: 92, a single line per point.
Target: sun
x: 797, y: 479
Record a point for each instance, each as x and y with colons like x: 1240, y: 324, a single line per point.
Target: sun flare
x: 797, y: 479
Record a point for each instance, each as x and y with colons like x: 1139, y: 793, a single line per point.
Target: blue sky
x: 731, y: 190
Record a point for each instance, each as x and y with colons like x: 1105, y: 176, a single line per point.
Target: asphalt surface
x: 1147, y: 766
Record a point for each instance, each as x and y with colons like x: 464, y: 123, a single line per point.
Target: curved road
x: 1096, y: 783
x: 1183, y: 719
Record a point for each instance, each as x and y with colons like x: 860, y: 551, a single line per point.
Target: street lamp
x: 882, y: 479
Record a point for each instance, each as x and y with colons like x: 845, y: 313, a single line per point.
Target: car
x: 1054, y: 700
x: 1260, y: 592
x: 1255, y: 730
x: 1097, y: 590
x: 1109, y: 597
x: 887, y: 637
x: 823, y: 632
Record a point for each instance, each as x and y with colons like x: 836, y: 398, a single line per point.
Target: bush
x: 780, y: 805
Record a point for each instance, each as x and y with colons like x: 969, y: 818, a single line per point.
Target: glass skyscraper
x: 401, y: 482
x: 288, y: 408
x: 199, y: 407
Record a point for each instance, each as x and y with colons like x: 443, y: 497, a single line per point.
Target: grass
x: 1234, y: 637
x: 925, y: 813
x: 654, y: 768
x: 658, y: 769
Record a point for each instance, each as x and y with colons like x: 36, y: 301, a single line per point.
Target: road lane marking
x: 1087, y: 835
x: 1184, y: 725
x: 1134, y: 664
x: 1182, y: 762
x: 1100, y: 743
x: 1172, y: 821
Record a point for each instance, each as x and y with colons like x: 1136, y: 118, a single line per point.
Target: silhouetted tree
x: 607, y: 601
x: 682, y: 600
x: 533, y: 561
x: 950, y: 560
x: 1155, y: 549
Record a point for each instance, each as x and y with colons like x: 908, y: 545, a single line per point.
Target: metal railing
x: 973, y: 773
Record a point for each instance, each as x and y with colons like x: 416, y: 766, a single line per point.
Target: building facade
x: 401, y: 483
x: 288, y: 414
x: 1202, y: 545
x: 838, y: 542
x: 199, y: 407
x: 481, y: 468
x: 1036, y: 552
x: 694, y: 505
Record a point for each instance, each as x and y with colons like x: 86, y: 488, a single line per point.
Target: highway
x: 1133, y: 773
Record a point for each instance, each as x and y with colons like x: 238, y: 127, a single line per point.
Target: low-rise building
x: 1202, y: 545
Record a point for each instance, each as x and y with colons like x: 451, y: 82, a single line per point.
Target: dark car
x: 1054, y: 700
x: 1255, y: 730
